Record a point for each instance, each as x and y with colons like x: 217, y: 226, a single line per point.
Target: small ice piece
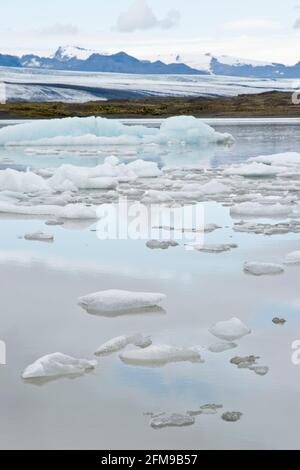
x: 56, y: 365
x: 261, y: 269
x: 230, y: 330
x: 210, y: 409
x: 232, y: 416
x: 160, y: 355
x: 260, y: 370
x: 279, y: 321
x: 119, y: 343
x: 221, y: 347
x: 208, y: 228
x: 162, y: 245
x: 213, y: 248
x: 241, y: 360
x: 172, y: 420
x: 39, y: 236
x: 110, y: 301
x: 54, y: 222
x: 292, y: 258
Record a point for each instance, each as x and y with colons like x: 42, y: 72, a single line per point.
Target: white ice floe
x: 230, y: 330
x: 249, y: 209
x: 159, y: 355
x: 57, y: 364
x: 171, y: 420
x: 97, y: 130
x: 210, y: 248
x: 279, y: 159
x: 119, y: 343
x: 222, y: 347
x: 293, y: 258
x: 70, y: 211
x: 39, y: 236
x: 260, y: 269
x: 21, y: 182
x: 253, y: 170
x: 214, y: 187
x: 118, y: 301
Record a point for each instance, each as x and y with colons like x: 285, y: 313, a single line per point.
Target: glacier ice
x: 57, y: 364
x: 120, y: 342
x: 260, y: 269
x: 97, y: 130
x: 159, y: 355
x: 230, y: 330
x: 210, y: 248
x: 119, y: 300
x: 253, y: 170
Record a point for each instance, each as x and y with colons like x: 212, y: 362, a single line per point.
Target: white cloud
x: 140, y: 16
x: 60, y: 30
x: 251, y: 25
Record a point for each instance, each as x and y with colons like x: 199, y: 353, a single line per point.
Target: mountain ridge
x: 74, y: 58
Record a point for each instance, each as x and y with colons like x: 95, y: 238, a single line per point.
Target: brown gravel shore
x: 270, y: 104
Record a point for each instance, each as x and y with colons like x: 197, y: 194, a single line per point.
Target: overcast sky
x: 258, y: 29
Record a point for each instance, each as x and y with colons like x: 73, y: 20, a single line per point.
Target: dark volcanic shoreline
x: 269, y: 104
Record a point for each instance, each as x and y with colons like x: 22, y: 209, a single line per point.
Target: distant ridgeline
x: 71, y: 58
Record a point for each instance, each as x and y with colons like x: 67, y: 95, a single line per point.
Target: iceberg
x: 119, y: 343
x: 279, y: 159
x: 110, y: 301
x: 230, y: 330
x: 232, y: 416
x: 260, y: 269
x: 100, y: 131
x: 160, y: 355
x: 56, y: 365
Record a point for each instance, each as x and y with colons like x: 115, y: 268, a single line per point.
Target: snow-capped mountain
x: 74, y: 58
x: 74, y: 52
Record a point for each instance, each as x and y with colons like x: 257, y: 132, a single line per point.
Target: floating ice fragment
x: 213, y: 248
x: 171, y: 420
x: 279, y: 321
x: 160, y: 355
x: 253, y: 170
x: 57, y: 364
x: 249, y: 209
x: 119, y: 300
x: 54, y: 222
x: 210, y: 409
x: 293, y: 258
x: 260, y: 370
x: 119, y: 343
x: 162, y: 245
x: 232, y: 416
x: 39, y: 236
x: 221, y: 347
x: 230, y: 330
x: 261, y: 269
x: 241, y: 360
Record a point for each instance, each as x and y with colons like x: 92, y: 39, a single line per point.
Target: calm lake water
x: 40, y: 284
